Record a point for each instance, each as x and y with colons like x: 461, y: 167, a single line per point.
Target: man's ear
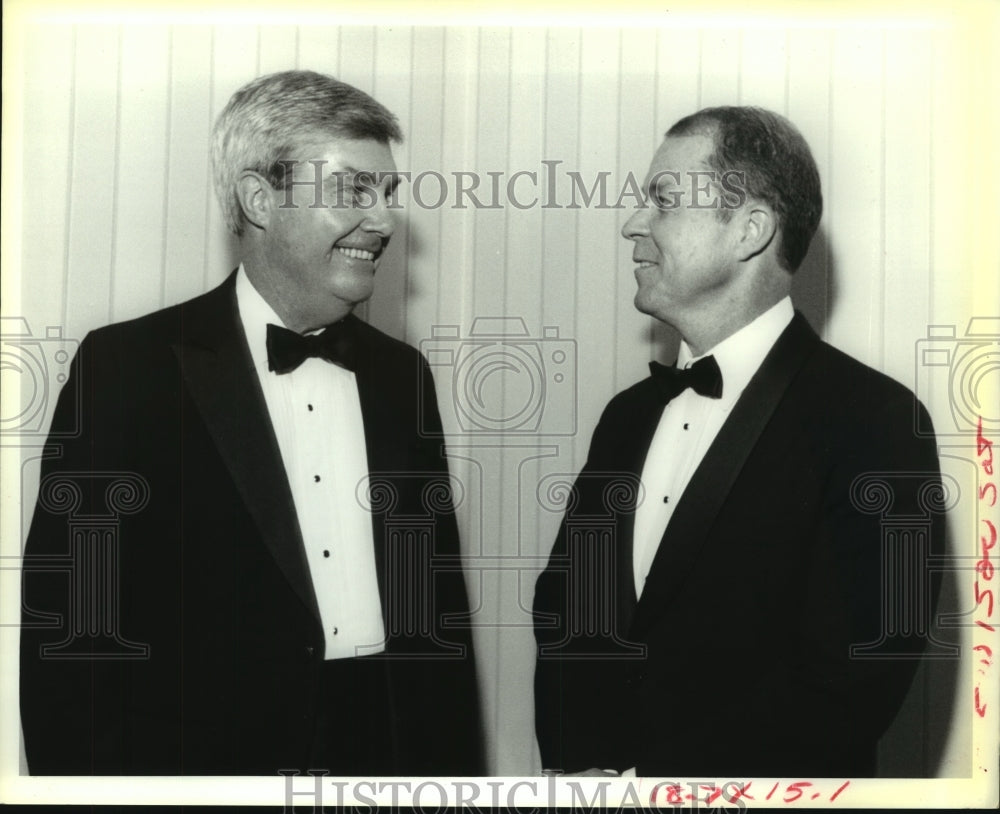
x: 759, y: 225
x: 256, y: 197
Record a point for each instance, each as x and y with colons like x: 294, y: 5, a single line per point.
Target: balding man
x: 716, y: 601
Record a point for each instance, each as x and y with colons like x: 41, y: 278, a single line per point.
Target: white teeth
x: 356, y: 254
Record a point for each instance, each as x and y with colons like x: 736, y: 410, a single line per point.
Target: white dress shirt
x: 316, y: 414
x: 688, y: 426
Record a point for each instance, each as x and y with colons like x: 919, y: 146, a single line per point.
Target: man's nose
x: 637, y: 225
x: 379, y: 217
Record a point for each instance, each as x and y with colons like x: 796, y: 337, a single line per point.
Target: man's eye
x: 667, y: 201
x: 655, y: 199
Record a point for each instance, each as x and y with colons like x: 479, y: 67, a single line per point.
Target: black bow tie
x: 704, y: 377
x: 286, y: 350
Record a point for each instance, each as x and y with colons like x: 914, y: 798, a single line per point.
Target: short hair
x: 271, y: 117
x: 774, y: 163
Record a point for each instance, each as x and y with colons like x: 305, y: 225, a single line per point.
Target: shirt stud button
x: 326, y: 553
x: 316, y: 478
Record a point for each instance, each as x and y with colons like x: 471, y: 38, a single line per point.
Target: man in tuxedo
x: 725, y: 597
x: 247, y: 560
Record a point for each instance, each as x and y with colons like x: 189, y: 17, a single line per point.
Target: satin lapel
x: 633, y: 447
x: 712, y: 481
x: 380, y: 413
x: 216, y: 363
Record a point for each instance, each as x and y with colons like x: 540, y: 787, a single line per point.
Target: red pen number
x: 795, y: 790
x: 985, y: 569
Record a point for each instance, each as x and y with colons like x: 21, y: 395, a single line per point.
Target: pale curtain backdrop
x: 118, y: 218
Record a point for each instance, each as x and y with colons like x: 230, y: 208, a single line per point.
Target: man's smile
x: 356, y: 254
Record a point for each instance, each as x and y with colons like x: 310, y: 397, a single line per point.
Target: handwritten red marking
x: 993, y: 536
x: 742, y: 790
x: 980, y: 596
x: 836, y: 794
x: 980, y: 707
x: 733, y: 791
x: 796, y: 789
x: 674, y: 795
x: 983, y: 444
x: 987, y: 488
x: 985, y: 568
x: 714, y: 795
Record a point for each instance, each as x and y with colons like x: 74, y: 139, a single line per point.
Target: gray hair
x: 269, y: 118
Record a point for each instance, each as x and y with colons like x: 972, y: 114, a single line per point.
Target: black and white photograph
x: 566, y: 406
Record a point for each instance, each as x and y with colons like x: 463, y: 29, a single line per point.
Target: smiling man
x: 723, y: 598
x: 276, y: 590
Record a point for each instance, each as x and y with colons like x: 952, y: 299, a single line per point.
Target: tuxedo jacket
x: 804, y: 533
x: 169, y: 620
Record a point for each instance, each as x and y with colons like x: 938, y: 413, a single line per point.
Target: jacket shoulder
x: 378, y: 338
x: 854, y: 411
x: 167, y: 324
x: 845, y: 380
x: 384, y: 351
x: 642, y: 392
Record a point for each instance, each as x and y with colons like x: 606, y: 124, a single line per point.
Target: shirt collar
x: 255, y: 314
x: 739, y: 355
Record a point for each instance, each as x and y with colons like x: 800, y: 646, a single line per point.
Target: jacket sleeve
x: 74, y: 664
x: 575, y: 681
x: 871, y: 590
x: 436, y: 691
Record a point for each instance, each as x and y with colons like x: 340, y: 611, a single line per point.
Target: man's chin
x: 353, y: 292
x: 642, y: 304
x: 657, y: 310
x: 335, y: 308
